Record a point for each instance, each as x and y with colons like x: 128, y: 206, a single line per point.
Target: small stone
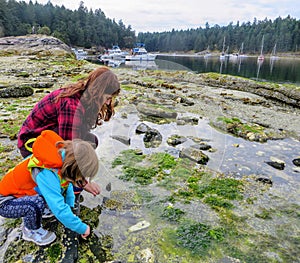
x: 139, y: 226
x: 296, y: 161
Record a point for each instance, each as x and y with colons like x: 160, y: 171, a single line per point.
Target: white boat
x: 273, y: 55
x: 239, y: 54
x: 80, y: 53
x: 113, y: 54
x: 261, y: 57
x: 140, y: 53
x: 241, y: 51
x: 222, y: 56
x: 207, y: 53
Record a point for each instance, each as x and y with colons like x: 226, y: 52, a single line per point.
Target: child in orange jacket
x: 48, y: 177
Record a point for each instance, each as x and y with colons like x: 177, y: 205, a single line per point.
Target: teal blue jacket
x: 60, y: 203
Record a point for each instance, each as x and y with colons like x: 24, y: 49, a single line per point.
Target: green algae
x: 214, y: 191
x: 139, y: 175
x: 236, y: 127
x: 7, y: 164
x: 54, y: 252
x: 127, y: 87
x: 5, y: 148
x: 197, y: 237
x: 192, y: 242
x: 128, y: 158
x: 162, y: 160
x: 172, y: 214
x: 217, y: 202
x: 134, y: 169
x: 9, y: 127
x: 200, y: 242
x: 265, y: 214
x: 12, y: 223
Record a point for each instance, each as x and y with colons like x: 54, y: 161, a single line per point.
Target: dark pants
x: 28, y: 207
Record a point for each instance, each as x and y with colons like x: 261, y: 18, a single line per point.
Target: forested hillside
x: 81, y: 27
x: 87, y: 28
x: 285, y: 32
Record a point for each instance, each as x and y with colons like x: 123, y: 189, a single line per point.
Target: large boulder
x: 40, y: 45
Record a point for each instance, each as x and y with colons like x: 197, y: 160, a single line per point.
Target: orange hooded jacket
x: 19, y: 181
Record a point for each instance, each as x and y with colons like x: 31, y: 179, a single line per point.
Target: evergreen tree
x: 87, y: 28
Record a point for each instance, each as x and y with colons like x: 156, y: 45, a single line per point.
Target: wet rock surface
x: 170, y: 112
x: 39, y: 45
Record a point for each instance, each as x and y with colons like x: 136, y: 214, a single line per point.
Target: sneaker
x: 40, y: 236
x: 47, y: 213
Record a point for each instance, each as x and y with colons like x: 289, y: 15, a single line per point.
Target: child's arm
x: 49, y: 186
x: 70, y: 196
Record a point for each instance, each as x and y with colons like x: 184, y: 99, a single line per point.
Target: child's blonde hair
x: 80, y: 159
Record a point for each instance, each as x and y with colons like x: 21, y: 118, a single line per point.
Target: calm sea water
x: 283, y: 70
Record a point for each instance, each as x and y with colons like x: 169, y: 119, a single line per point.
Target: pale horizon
x: 161, y: 16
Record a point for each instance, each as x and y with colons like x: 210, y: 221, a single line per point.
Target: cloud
x: 164, y: 15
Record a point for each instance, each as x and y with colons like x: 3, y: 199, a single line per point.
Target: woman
x: 48, y: 176
x: 73, y: 110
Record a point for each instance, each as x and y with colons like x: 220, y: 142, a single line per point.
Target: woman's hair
x: 99, y: 82
x: 80, y: 159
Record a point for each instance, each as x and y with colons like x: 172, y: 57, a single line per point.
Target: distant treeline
x: 88, y: 28
x: 284, y: 32
x: 82, y: 27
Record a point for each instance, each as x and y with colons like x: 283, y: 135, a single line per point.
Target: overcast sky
x: 165, y: 15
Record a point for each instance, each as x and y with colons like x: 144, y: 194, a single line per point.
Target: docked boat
x: 140, y: 53
x: 222, y: 55
x: 80, y: 53
x: 239, y: 54
x: 273, y: 55
x: 261, y: 57
x: 113, y: 54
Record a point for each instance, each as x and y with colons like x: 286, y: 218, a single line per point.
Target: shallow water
x: 233, y: 155
x: 247, y: 159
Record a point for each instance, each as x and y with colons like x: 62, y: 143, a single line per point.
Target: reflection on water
x: 234, y: 155
x: 259, y: 64
x: 270, y: 69
x: 275, y: 69
x: 141, y: 64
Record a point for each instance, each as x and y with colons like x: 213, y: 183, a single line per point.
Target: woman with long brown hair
x: 73, y: 110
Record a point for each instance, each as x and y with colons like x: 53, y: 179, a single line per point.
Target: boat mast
x: 262, y: 45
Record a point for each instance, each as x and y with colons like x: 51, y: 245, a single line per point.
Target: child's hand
x: 87, y: 233
x: 92, y: 188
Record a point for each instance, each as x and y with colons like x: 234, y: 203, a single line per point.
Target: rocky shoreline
x: 255, y: 112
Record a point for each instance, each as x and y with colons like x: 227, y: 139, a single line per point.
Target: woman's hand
x: 92, y: 188
x: 87, y: 232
